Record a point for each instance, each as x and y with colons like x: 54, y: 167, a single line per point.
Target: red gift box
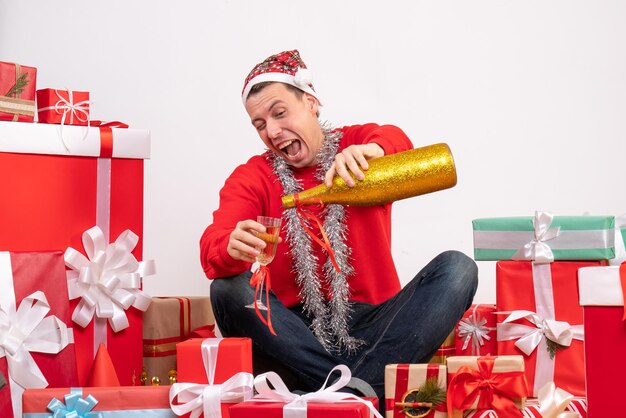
x: 543, y: 297
x: 401, y: 379
x: 64, y: 107
x: 314, y: 409
x: 476, y: 332
x: 224, y: 364
x: 78, y: 192
x: 602, y: 294
x: 137, y: 400
x: 275, y: 401
x: 27, y: 278
x: 17, y: 92
x: 233, y: 355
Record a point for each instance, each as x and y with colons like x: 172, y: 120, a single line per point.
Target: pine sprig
x: 553, y: 347
x: 18, y: 87
x: 431, y: 392
x: 428, y: 393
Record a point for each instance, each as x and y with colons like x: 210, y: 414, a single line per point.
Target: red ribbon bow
x: 493, y: 390
x: 261, y: 275
x: 313, y: 218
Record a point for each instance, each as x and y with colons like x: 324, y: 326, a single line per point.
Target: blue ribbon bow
x: 75, y: 406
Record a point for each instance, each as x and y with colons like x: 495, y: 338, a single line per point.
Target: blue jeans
x: 407, y: 328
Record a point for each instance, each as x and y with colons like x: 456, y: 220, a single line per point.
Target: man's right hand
x: 243, y: 243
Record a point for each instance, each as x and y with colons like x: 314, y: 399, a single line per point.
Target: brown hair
x: 258, y: 87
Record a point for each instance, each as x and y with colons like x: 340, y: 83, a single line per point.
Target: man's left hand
x: 352, y: 159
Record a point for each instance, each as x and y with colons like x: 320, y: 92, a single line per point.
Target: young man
x: 356, y: 315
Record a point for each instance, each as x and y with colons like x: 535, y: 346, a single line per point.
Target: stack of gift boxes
x: 70, y: 289
x: 540, y: 350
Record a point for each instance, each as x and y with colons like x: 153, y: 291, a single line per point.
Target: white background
x: 530, y: 96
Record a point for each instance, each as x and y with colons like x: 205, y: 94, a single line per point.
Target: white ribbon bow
x: 296, y: 405
x: 27, y: 330
x: 553, y: 401
x: 528, y: 337
x: 109, y: 280
x: 473, y: 329
x: 199, y: 398
x: 207, y: 398
x: 537, y: 249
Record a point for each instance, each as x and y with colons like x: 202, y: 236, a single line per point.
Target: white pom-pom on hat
x: 303, y: 78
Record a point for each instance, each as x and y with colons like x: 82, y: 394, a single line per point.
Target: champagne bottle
x: 389, y: 178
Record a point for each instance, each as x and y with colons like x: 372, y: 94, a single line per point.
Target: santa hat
x: 285, y: 67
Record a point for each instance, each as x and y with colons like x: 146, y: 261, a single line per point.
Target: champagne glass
x: 270, y: 236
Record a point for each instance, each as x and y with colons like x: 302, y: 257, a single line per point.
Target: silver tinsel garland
x: 329, y: 320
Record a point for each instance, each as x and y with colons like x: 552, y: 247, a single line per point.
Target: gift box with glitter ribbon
x: 167, y: 322
x: 273, y: 400
x: 602, y: 295
x: 17, y: 92
x: 101, y: 402
x: 415, y: 390
x: 36, y: 343
x: 84, y: 181
x: 447, y: 349
x: 489, y: 382
x: 476, y: 331
x: 63, y: 107
x: 544, y: 238
x: 543, y: 321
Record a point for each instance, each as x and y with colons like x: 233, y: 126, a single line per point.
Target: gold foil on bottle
x: 389, y: 178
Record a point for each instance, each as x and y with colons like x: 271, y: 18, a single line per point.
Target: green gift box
x: 544, y: 238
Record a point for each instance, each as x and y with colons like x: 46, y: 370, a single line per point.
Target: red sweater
x: 253, y: 190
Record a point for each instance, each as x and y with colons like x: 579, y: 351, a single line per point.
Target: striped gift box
x: 168, y: 321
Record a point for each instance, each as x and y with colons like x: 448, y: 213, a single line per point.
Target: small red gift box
x: 144, y: 401
x: 97, y: 180
x: 17, y: 92
x: 602, y: 294
x: 476, y: 332
x: 35, y: 348
x: 167, y: 322
x: 546, y: 323
x: 64, y: 107
x: 218, y: 366
x: 401, y: 380
x: 233, y: 355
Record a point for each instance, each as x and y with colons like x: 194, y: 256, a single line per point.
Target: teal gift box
x: 544, y: 238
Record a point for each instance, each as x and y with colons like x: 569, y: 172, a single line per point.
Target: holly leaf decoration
x: 18, y: 87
